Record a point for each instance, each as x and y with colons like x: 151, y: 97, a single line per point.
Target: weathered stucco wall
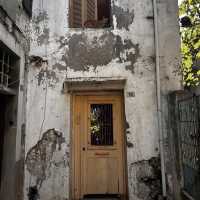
x: 125, y: 51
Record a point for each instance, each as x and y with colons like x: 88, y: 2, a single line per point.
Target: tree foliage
x: 189, y: 11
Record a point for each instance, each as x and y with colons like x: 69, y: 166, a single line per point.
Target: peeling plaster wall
x: 125, y: 50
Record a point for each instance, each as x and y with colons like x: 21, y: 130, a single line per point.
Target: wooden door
x: 98, y: 146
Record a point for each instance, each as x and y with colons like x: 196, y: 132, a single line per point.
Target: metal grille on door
x: 101, y: 124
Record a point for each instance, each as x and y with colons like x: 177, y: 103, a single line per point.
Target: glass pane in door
x: 101, y: 124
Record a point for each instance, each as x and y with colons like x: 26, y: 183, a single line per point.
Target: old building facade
x: 14, y: 48
x: 88, y: 123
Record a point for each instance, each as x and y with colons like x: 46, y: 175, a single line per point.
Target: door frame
x: 75, y: 159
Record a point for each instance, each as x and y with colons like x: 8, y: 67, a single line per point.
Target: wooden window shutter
x: 76, y: 13
x: 91, y: 10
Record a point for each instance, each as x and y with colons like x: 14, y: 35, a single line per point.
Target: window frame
x: 84, y: 15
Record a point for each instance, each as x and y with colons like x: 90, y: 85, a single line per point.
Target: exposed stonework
x: 84, y: 52
x: 148, y: 175
x: 39, y: 157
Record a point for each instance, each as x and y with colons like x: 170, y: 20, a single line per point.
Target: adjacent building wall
x: 124, y: 51
x: 14, y: 35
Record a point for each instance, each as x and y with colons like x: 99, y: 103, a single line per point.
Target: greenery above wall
x: 189, y: 12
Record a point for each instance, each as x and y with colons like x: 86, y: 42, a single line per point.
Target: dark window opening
x: 9, y: 85
x: 90, y: 13
x: 9, y: 71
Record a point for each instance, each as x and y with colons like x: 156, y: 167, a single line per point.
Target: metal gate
x: 189, y: 140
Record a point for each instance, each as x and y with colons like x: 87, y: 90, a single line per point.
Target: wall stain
x: 127, y: 127
x: 124, y: 17
x: 39, y: 157
x: 33, y: 193
x: 129, y: 144
x: 43, y: 38
x: 42, y: 16
x: 50, y: 75
x: 148, y: 175
x: 84, y: 52
x: 132, y: 57
x: 39, y: 23
x: 81, y: 54
x: 37, y: 61
x: 60, y: 67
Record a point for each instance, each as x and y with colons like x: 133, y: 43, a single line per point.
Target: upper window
x: 90, y: 13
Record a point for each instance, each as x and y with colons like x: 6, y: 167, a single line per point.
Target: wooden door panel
x: 102, y: 175
x: 99, y: 161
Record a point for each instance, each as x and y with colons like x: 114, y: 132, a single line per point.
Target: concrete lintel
x: 94, y: 84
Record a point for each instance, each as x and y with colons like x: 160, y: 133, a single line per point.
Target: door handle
x: 83, y: 148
